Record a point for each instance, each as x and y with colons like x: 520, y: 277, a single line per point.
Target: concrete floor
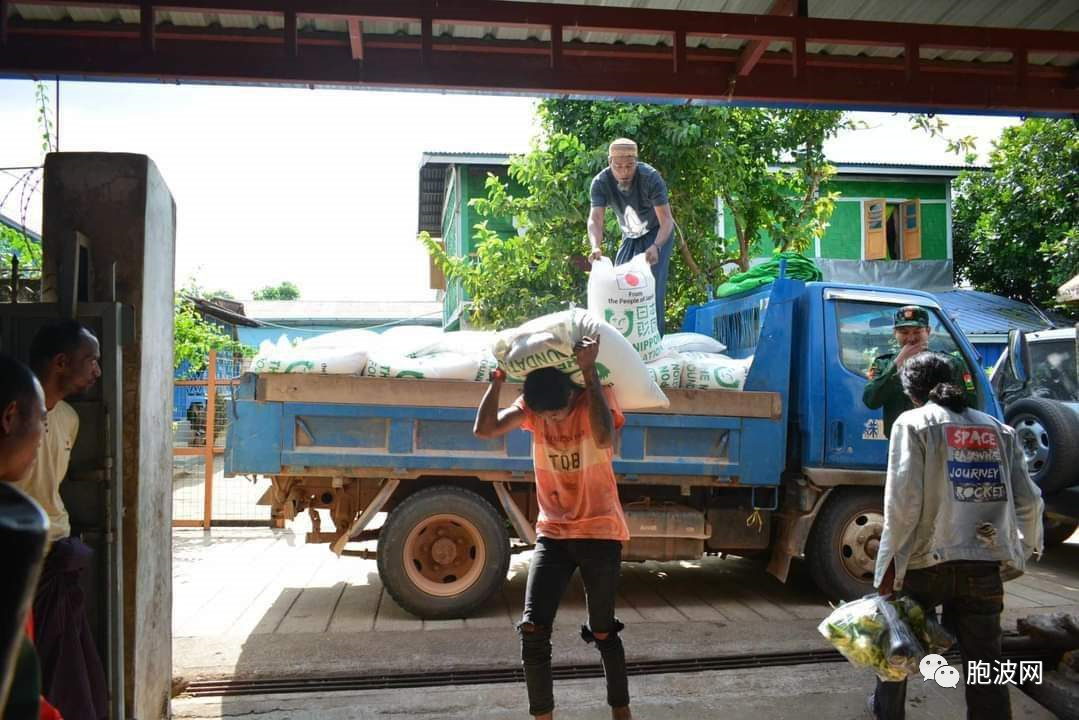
x: 260, y: 603
x: 828, y: 692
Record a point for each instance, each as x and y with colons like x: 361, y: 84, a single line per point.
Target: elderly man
x: 64, y: 356
x: 638, y: 195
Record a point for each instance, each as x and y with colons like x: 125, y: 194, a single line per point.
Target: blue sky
x: 320, y: 186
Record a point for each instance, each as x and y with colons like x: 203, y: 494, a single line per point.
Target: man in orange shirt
x: 580, y: 524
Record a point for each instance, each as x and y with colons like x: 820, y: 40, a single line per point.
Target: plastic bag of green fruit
x: 873, y: 632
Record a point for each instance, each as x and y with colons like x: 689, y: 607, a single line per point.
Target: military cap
x: 911, y: 316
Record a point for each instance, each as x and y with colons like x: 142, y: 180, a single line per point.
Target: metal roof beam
x: 754, y: 49
x: 642, y: 20
x: 669, y: 71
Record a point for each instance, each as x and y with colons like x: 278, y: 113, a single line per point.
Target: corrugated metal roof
x: 316, y: 312
x: 1044, y: 15
x: 18, y: 226
x: 434, y: 169
x: 980, y: 313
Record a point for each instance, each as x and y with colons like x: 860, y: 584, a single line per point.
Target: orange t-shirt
x: 575, y: 484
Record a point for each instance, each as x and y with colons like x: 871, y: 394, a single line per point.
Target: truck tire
x: 1057, y: 532
x: 842, y: 548
x: 443, y: 552
x: 1048, y: 433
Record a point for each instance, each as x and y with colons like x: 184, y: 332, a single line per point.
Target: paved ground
x: 828, y: 692
x: 257, y: 603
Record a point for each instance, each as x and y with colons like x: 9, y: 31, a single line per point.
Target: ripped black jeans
x: 972, y: 595
x: 553, y: 564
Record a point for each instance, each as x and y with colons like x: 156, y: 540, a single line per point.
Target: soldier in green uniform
x: 884, y: 389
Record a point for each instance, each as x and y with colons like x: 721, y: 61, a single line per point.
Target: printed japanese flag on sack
x: 625, y: 297
x: 548, y: 341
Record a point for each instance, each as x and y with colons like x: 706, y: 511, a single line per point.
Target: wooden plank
x: 652, y: 606
x: 493, y: 614
x: 357, y: 608
x: 674, y: 585
x: 1011, y: 600
x: 1067, y: 588
x: 312, y: 611
x: 269, y: 608
x: 391, y: 617
x: 354, y: 390
x: 1041, y: 598
x: 248, y: 579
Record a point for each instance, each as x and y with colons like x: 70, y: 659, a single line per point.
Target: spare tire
x: 1048, y: 433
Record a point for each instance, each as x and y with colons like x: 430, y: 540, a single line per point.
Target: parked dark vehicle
x: 1037, y: 382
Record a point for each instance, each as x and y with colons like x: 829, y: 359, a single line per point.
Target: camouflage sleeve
x: 880, y: 374
x: 965, y: 379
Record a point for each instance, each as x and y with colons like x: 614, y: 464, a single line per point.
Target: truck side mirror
x: 1019, y: 355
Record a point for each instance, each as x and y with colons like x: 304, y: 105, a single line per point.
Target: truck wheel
x: 443, y: 552
x: 842, y: 548
x: 1049, y: 435
x: 1057, y: 532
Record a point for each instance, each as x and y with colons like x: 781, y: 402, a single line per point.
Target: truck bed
x: 345, y: 426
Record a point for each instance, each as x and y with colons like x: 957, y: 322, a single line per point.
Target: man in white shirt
x: 64, y: 356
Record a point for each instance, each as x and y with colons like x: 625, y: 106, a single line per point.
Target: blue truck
x: 791, y: 466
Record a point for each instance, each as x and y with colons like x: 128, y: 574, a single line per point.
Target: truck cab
x: 837, y: 452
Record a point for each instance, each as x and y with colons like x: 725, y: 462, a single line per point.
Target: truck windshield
x: 865, y: 331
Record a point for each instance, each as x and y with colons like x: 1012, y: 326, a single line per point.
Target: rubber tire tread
x: 1062, y: 468
x: 825, y: 566
x: 434, y: 501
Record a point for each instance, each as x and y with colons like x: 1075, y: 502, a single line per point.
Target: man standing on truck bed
x: 884, y: 389
x: 959, y: 509
x: 638, y: 195
x: 580, y: 524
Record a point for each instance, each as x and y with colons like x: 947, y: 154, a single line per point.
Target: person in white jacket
x: 960, y: 514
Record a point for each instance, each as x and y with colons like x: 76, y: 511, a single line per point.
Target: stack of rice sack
x: 407, y: 351
x: 621, y: 312
x: 625, y: 297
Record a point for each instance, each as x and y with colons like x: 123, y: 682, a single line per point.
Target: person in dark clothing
x: 959, y: 509
x: 638, y: 195
x: 580, y: 526
x: 884, y: 389
x: 22, y: 426
x: 64, y: 356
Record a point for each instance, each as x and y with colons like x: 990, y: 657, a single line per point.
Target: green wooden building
x: 448, y: 181
x: 892, y: 224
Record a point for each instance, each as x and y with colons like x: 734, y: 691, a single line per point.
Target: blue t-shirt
x: 635, y: 209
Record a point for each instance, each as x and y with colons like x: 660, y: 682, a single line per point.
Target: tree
x: 283, y: 291
x: 20, y: 245
x: 702, y: 152
x: 1016, y: 227
x: 194, y: 337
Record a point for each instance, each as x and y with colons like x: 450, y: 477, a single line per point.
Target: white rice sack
x: 440, y: 366
x: 408, y: 339
x: 272, y: 356
x: 625, y: 297
x: 708, y: 371
x: 548, y: 341
x: 284, y: 358
x: 465, y: 342
x: 667, y: 370
x: 354, y: 339
x: 684, y: 342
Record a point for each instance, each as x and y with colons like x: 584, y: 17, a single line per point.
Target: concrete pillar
x: 122, y: 205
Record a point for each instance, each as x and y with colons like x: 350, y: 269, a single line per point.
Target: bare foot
x: 545, y: 716
x: 621, y: 713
